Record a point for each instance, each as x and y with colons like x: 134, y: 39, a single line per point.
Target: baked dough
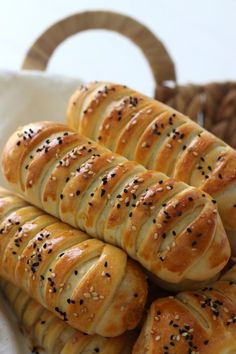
x: 160, y: 138
x: 53, y: 335
x: 172, y: 229
x: 201, y: 322
x: 88, y: 284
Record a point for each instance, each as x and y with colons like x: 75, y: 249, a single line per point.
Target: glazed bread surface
x: 155, y: 219
x: 88, y: 284
x: 49, y: 333
x: 202, y: 322
x: 160, y: 138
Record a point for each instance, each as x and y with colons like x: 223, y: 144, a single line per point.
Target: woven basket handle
x: 157, y: 56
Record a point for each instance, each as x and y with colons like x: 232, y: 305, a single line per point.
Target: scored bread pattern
x: 200, y: 322
x: 152, y: 217
x: 92, y: 286
x: 160, y: 138
x: 53, y: 335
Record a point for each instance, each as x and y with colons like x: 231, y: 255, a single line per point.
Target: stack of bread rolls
x: 179, y: 233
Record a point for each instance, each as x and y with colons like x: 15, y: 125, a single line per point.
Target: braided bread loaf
x: 90, y: 285
x: 201, y: 322
x: 158, y: 137
x: 154, y: 218
x: 53, y: 335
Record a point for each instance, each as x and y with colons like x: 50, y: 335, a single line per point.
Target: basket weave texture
x: 212, y: 105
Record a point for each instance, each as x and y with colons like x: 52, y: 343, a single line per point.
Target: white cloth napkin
x: 29, y: 96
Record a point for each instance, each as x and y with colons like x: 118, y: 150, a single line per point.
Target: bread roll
x: 201, y: 322
x: 53, y: 335
x: 88, y: 284
x: 172, y: 229
x: 160, y: 138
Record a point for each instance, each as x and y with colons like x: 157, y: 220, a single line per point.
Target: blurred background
x: 199, y: 35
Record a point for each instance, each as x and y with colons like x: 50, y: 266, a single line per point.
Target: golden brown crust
x: 55, y: 336
x: 158, y: 137
x: 25, y: 138
x: 85, y: 282
x: 152, y: 217
x: 192, y: 322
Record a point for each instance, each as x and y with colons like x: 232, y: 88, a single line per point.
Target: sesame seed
x: 87, y: 295
x: 157, y: 338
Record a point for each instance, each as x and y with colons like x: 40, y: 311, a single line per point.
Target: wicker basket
x: 212, y: 105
